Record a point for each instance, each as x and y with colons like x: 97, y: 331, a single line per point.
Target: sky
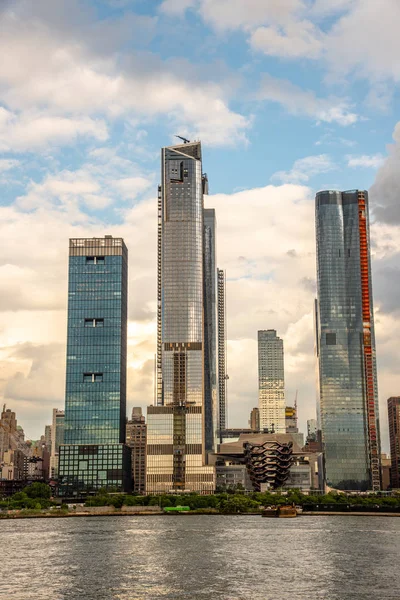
x: 287, y: 96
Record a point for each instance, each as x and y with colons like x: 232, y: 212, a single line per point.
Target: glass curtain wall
x: 348, y: 407
x: 95, y: 405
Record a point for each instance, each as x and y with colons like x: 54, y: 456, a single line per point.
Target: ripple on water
x: 200, y: 558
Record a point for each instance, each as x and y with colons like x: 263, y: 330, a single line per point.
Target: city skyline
x: 274, y: 129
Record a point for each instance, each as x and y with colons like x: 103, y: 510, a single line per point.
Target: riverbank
x: 87, y: 511
x: 143, y: 511
x: 326, y: 513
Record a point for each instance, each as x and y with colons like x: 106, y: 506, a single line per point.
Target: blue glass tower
x: 94, y: 455
x: 345, y: 342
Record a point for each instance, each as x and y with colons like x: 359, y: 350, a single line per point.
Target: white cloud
x: 365, y: 41
x: 65, y: 77
x: 298, y: 101
x: 95, y: 201
x: 7, y: 164
x: 360, y: 39
x: 305, y: 168
x: 296, y: 39
x: 385, y: 192
x: 130, y: 187
x: 30, y: 131
x: 368, y: 161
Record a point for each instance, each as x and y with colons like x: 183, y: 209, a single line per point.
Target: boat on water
x: 280, y: 512
x: 176, y: 510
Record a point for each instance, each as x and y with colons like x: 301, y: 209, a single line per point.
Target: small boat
x: 280, y: 512
x: 270, y: 511
x: 287, y: 512
x: 176, y: 510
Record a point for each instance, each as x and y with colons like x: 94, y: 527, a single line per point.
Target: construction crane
x: 184, y: 140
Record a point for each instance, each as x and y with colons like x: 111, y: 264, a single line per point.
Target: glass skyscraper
x: 176, y: 426
x: 93, y: 455
x: 345, y: 342
x: 222, y: 354
x: 271, y: 382
x: 210, y: 330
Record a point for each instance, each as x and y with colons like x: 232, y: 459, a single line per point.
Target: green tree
x: 38, y: 490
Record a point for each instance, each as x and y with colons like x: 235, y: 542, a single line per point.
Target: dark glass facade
x: 210, y: 330
x: 95, y: 404
x: 394, y: 438
x: 345, y: 342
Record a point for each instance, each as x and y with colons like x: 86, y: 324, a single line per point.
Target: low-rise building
x: 386, y: 464
x: 12, y: 465
x: 136, y: 439
x: 232, y: 477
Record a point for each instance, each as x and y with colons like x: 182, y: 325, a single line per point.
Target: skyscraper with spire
x: 180, y: 425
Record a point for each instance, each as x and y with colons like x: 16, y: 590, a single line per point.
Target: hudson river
x: 200, y: 558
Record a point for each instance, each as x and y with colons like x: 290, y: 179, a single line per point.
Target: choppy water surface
x: 200, y: 558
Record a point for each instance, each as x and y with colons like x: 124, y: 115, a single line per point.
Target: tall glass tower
x: 271, y: 382
x: 345, y: 342
x: 210, y: 330
x: 222, y: 354
x: 93, y: 455
x: 176, y: 426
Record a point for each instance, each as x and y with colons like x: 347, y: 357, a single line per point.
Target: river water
x: 184, y: 557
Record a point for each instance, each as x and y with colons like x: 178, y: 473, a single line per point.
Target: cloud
x: 58, y: 83
x: 368, y: 161
x: 365, y: 42
x: 356, y: 38
x: 30, y: 131
x: 305, y: 168
x: 7, y: 164
x: 296, y: 39
x: 304, y: 102
x: 385, y: 192
x: 225, y: 14
x: 176, y: 7
x: 130, y: 187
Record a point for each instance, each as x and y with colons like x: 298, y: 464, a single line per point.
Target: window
x: 95, y: 260
x: 94, y: 322
x: 92, y: 377
x: 331, y: 339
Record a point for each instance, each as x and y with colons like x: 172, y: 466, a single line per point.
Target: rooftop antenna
x: 184, y: 140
